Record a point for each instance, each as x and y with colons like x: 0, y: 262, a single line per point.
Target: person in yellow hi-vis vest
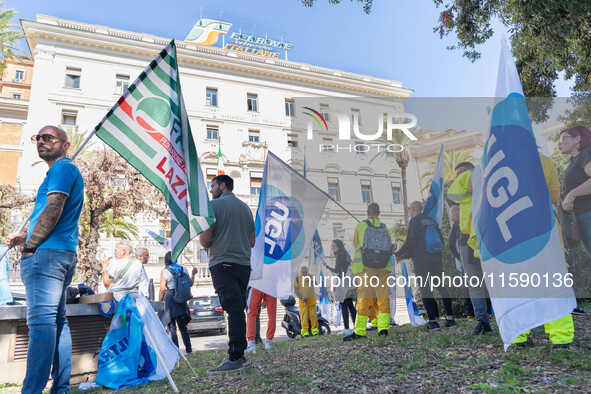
x: 371, y: 263
x: 562, y: 330
x: 304, y: 290
x: 460, y: 191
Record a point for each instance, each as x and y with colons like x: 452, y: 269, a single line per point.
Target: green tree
x: 450, y: 160
x: 113, y: 190
x: 366, y: 4
x: 10, y: 35
x: 119, y: 227
x: 547, y: 37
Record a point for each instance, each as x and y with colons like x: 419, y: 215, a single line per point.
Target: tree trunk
x: 404, y: 196
x: 90, y: 267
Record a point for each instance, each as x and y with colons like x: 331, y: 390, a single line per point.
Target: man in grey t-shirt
x: 229, y: 242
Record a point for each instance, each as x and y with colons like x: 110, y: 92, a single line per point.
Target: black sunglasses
x: 46, y: 138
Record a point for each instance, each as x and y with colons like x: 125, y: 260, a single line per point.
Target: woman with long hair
x: 343, y: 261
x: 575, y: 188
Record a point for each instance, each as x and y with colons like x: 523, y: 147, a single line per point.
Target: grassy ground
x: 408, y: 360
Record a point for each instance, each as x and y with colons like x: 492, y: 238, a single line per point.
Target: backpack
x: 182, y: 285
x: 433, y: 244
x: 375, y: 252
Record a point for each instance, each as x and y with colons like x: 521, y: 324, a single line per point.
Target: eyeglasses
x: 563, y: 137
x: 46, y: 138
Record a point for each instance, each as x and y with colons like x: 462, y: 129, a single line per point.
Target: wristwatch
x: 26, y: 249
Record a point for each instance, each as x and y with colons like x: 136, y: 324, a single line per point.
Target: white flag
x: 289, y: 210
x: 521, y: 253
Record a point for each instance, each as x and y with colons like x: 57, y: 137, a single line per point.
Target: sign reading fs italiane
x: 207, y: 32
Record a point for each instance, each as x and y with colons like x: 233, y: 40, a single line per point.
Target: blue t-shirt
x: 63, y: 177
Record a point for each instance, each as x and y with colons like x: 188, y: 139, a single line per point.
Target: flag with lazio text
x: 150, y: 129
x: 434, y: 204
x: 522, y: 257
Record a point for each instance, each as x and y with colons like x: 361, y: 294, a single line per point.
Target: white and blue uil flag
x: 288, y: 213
x: 521, y: 253
x: 434, y: 205
x: 316, y: 268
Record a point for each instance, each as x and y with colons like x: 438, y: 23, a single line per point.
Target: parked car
x: 206, y: 314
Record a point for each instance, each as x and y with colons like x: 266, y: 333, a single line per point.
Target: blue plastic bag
x: 124, y: 359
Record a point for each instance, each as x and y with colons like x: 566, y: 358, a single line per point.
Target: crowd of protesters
x: 50, y: 247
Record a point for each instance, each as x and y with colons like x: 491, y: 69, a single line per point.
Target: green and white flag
x: 150, y: 129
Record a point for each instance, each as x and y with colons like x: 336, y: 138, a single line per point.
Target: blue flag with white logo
x: 434, y: 205
x: 289, y: 210
x: 522, y: 256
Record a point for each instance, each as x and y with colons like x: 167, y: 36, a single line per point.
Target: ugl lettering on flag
x: 514, y: 222
x: 434, y: 204
x: 288, y: 213
x: 150, y: 129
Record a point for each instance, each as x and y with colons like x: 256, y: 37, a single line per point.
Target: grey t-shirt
x: 230, y: 242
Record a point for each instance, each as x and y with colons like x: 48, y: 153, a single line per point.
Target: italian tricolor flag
x: 221, y: 168
x: 150, y: 129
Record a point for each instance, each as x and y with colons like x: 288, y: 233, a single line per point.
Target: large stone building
x: 15, y: 90
x: 248, y: 101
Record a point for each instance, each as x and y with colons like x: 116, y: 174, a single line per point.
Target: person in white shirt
x: 125, y: 274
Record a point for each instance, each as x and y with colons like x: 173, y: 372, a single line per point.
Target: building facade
x: 15, y: 91
x: 244, y: 103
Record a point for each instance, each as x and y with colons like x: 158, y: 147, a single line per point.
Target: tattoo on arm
x: 48, y: 219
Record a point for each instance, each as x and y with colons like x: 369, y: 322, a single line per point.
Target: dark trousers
x: 431, y: 269
x: 230, y: 282
x: 184, y: 332
x: 346, y: 307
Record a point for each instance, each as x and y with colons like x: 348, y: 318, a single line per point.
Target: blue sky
x: 396, y: 41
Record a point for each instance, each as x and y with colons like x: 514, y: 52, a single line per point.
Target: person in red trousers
x: 253, y: 302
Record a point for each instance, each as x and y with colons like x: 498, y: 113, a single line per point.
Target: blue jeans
x: 46, y: 274
x: 585, y: 228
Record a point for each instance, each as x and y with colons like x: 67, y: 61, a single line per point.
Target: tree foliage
x: 450, y: 160
x: 547, y: 37
x: 11, y: 199
x: 366, y: 4
x: 113, y: 189
x: 10, y: 35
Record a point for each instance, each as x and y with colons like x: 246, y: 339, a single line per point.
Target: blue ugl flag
x: 288, y: 213
x: 434, y: 205
x: 522, y: 256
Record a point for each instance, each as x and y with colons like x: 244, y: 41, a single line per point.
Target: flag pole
x: 160, y: 360
x: 22, y: 227
x: 185, y: 358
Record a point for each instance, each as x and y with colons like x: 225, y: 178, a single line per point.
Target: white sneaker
x: 251, y: 347
x: 345, y: 332
x: 267, y: 344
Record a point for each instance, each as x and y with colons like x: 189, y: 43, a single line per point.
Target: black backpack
x: 375, y: 252
x: 182, y: 285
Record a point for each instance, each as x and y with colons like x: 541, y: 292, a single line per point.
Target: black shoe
x: 433, y: 326
x: 528, y: 343
x: 383, y: 332
x: 372, y: 328
x: 353, y: 337
x: 393, y: 323
x: 482, y: 328
x: 579, y: 312
x: 450, y: 323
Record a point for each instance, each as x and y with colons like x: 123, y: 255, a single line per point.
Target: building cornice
x: 216, y: 59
